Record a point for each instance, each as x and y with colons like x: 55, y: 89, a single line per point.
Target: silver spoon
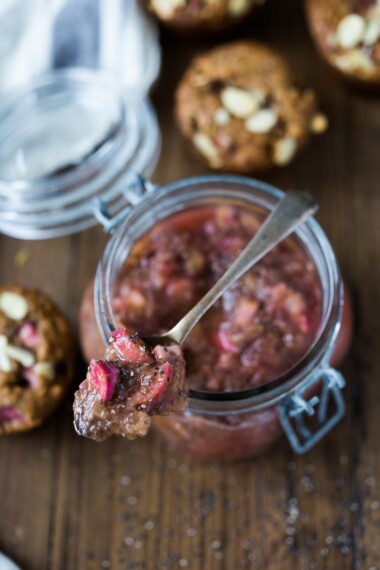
x: 290, y: 212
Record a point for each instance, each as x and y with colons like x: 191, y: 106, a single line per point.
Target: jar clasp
x: 111, y: 211
x: 306, y: 417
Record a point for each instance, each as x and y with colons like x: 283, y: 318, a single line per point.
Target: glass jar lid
x: 68, y: 139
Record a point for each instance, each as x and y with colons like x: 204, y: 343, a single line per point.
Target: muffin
x: 188, y: 15
x: 239, y: 110
x: 36, y: 358
x: 347, y: 33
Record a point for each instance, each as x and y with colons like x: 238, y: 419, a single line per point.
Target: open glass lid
x: 69, y: 138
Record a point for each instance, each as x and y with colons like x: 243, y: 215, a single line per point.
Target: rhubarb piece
x: 132, y: 383
x: 29, y: 336
x: 225, y: 342
x: 9, y: 414
x: 104, y: 377
x: 129, y: 347
x: 245, y: 311
x: 40, y: 374
x: 31, y: 378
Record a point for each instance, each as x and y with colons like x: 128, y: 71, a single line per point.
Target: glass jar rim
x: 62, y: 202
x: 267, y: 394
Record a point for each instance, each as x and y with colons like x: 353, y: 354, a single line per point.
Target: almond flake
x: 166, y: 8
x: 355, y: 60
x: 221, y: 117
x: 22, y: 356
x: 262, y: 121
x: 259, y: 96
x: 372, y: 32
x: 13, y: 305
x: 240, y: 103
x: 5, y: 363
x: 350, y: 31
x: 199, y: 80
x: 319, y: 123
x: 179, y: 3
x: 237, y: 7
x: 284, y: 151
x: 45, y: 369
x: 206, y: 147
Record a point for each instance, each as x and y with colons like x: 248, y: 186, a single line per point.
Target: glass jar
x: 68, y: 139
x: 306, y: 402
x: 26, y: 40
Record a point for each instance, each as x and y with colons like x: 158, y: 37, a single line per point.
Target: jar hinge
x: 324, y: 410
x: 111, y: 212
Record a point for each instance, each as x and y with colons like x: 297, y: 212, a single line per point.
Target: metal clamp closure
x: 110, y: 213
x: 321, y: 399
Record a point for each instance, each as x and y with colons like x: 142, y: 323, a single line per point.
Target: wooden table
x: 70, y: 504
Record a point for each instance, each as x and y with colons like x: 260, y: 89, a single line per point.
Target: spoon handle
x: 291, y: 211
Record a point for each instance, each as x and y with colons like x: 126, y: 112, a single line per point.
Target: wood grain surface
x: 67, y: 503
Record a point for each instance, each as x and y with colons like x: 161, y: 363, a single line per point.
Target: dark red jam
x: 264, y: 324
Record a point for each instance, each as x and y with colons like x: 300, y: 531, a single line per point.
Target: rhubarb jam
x: 270, y: 340
x: 263, y: 325
x: 131, y: 383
